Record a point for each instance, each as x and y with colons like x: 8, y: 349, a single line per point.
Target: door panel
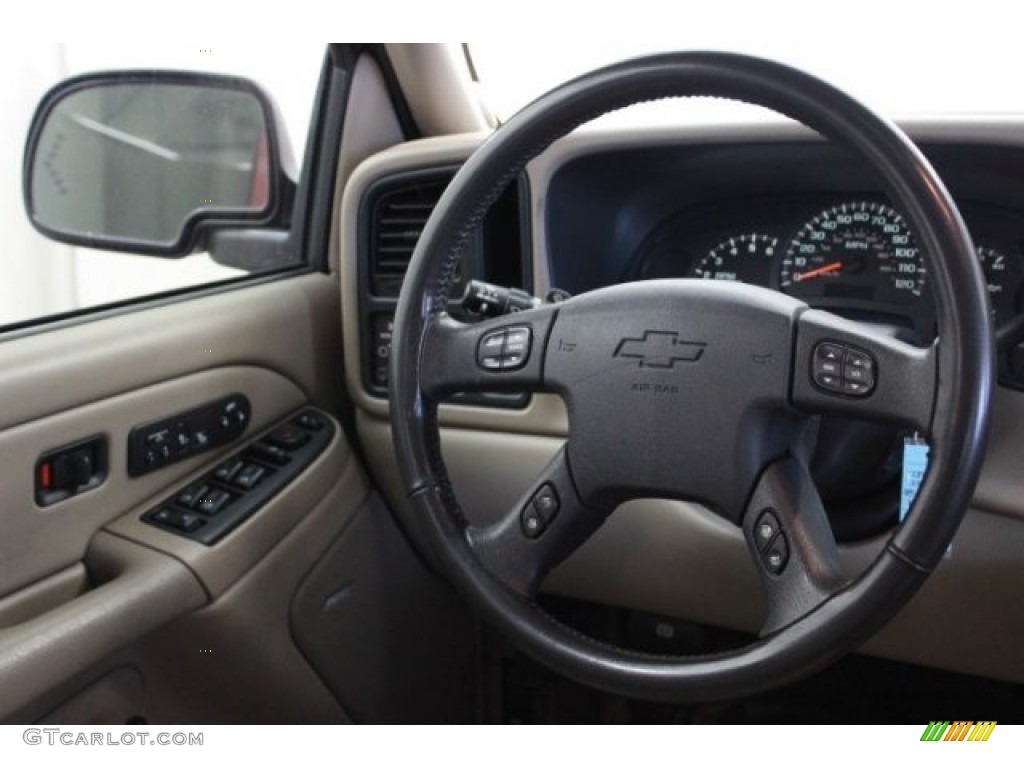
x: 86, y: 589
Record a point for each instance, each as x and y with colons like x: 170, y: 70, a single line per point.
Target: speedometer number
x: 860, y: 251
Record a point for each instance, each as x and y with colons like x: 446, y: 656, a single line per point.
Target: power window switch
x: 288, y: 437
x: 189, y: 497
x: 213, y: 501
x: 269, y: 453
x: 310, y: 421
x: 228, y: 469
x: 250, y: 475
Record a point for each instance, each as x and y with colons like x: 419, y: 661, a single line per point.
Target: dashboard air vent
x: 399, y: 213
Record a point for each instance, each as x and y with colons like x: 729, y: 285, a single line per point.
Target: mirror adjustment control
x: 167, y: 441
x: 842, y: 370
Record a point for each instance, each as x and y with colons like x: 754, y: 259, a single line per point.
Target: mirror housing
x: 154, y: 162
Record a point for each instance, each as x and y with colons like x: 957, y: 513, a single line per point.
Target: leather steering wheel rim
x: 955, y: 379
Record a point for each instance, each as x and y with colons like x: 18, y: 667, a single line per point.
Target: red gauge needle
x: 835, y: 266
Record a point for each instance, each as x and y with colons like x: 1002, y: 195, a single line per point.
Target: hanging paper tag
x: 915, y: 464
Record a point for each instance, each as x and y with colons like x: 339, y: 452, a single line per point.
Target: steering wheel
x: 696, y: 390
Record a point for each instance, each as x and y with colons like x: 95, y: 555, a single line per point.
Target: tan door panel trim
x: 287, y: 325
x: 138, y: 590
x: 40, y: 541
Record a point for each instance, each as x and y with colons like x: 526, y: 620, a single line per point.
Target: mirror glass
x: 133, y: 161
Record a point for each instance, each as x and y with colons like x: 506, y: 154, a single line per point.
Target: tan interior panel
x: 58, y: 534
x: 72, y: 595
x: 287, y: 325
x: 133, y: 591
x: 233, y: 661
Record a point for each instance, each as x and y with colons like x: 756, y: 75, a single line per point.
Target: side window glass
x: 129, y: 169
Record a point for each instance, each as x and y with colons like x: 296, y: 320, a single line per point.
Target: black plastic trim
x: 243, y: 503
x: 372, y: 306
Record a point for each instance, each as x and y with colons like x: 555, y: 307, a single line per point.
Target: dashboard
x: 771, y: 205
x: 800, y: 218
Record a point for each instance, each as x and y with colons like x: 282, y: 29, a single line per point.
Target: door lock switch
x: 70, y: 470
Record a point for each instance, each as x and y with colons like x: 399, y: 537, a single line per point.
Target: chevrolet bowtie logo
x: 660, y: 349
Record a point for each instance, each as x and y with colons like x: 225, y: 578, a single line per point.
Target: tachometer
x: 862, y: 251
x: 744, y: 258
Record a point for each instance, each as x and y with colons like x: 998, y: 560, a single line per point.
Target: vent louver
x: 399, y: 215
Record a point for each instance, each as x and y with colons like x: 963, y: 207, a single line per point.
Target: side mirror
x: 151, y: 162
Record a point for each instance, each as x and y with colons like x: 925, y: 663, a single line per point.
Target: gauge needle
x: 835, y: 266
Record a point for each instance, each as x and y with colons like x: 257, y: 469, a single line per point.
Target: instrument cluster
x: 855, y: 256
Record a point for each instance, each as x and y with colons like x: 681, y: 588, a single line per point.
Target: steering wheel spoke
x: 546, y: 525
x: 792, y: 544
x: 503, y: 354
x: 859, y: 370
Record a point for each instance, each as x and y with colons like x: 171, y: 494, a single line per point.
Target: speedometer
x: 861, y: 251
